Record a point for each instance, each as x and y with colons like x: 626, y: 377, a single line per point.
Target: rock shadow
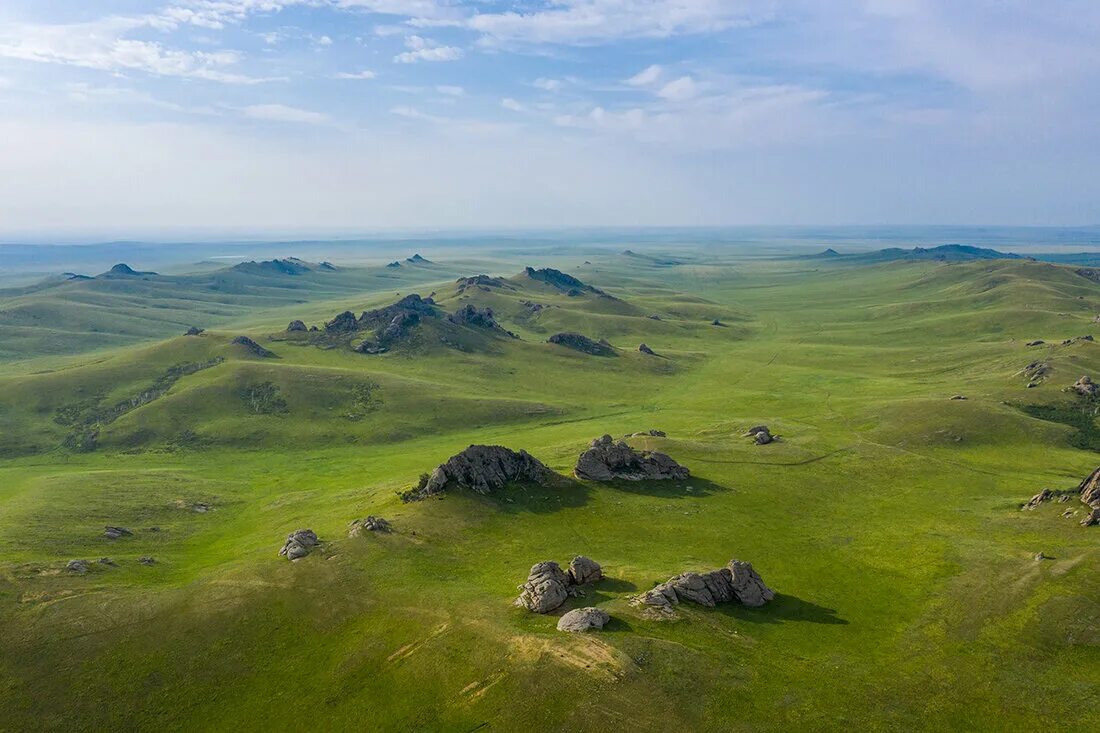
x: 667, y: 489
x: 558, y: 493
x: 783, y: 608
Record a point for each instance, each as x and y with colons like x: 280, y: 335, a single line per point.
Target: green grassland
x: 887, y: 519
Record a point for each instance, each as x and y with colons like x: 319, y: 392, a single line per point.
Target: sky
x: 146, y: 117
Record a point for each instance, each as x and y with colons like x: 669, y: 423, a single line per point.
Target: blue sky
x: 130, y: 116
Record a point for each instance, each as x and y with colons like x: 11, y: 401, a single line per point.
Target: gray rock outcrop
x: 1085, y: 387
x: 114, y: 533
x: 1090, y: 489
x: 735, y: 582
x: 606, y: 460
x: 760, y: 434
x: 299, y: 543
x: 579, y: 342
x: 580, y: 620
x: 297, y: 326
x: 251, y: 347
x: 646, y: 350
x: 1044, y: 495
x: 482, y: 469
x: 370, y: 524
x: 77, y: 566
x: 548, y: 586
x: 584, y: 570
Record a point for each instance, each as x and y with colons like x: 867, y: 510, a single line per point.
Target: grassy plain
x: 887, y: 519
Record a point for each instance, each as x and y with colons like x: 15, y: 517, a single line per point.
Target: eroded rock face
x: 580, y: 620
x: 1044, y: 495
x: 253, y: 348
x: 606, y: 460
x: 584, y: 570
x: 370, y: 524
x: 1090, y: 489
x: 297, y: 326
x: 736, y: 582
x: 299, y: 543
x: 579, y: 342
x: 346, y: 322
x: 482, y: 469
x: 1085, y: 387
x: 547, y: 587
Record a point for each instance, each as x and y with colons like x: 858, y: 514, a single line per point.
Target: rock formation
x: 567, y: 284
x: 193, y: 331
x: 482, y: 469
x: 253, y: 348
x: 299, y: 543
x: 578, y: 342
x: 146, y: 560
x: 1036, y: 342
x: 346, y: 322
x: 760, y: 434
x: 1085, y: 387
x: 297, y: 326
x: 77, y: 566
x: 416, y: 259
x: 647, y: 434
x: 370, y: 524
x: 736, y: 582
x: 646, y: 350
x: 606, y: 460
x: 1090, y: 489
x: 548, y: 586
x: 114, y: 533
x: 472, y: 316
x: 580, y: 620
x: 1044, y: 495
x: 1036, y: 372
x: 481, y: 282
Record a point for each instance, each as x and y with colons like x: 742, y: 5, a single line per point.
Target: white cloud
x: 283, y: 113
x: 450, y: 91
x: 513, y: 105
x: 679, y: 89
x: 365, y: 74
x: 548, y: 85
x: 646, y: 76
x: 324, y: 41
x: 423, y: 49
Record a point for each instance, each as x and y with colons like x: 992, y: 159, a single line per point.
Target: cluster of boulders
x: 80, y: 567
x: 1076, y: 339
x: 761, y: 435
x: 548, y: 586
x: 370, y: 524
x: 579, y: 342
x: 608, y: 460
x: 1085, y: 387
x: 251, y: 347
x: 735, y: 582
x: 471, y: 316
x: 482, y: 469
x: 481, y: 282
x: 1036, y: 373
x: 299, y: 543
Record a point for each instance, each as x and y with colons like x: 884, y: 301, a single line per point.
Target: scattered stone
x: 193, y: 331
x: 107, y: 561
x: 958, y: 397
x: 1042, y: 496
x: 761, y: 435
x: 482, y: 469
x: 580, y: 620
x: 584, y: 570
x: 646, y: 350
x: 146, y: 560
x: 736, y: 582
x: 253, y: 348
x: 370, y: 524
x: 547, y: 587
x: 299, y: 543
x: 606, y: 460
x: 1085, y: 387
x: 1037, y: 342
x: 1036, y: 373
x: 579, y: 342
x: 201, y: 507
x: 77, y: 566
x: 647, y: 434
x: 297, y: 326
x: 114, y: 533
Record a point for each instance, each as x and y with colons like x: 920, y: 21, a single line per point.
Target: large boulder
x: 482, y: 469
x: 346, y: 322
x: 1090, y: 489
x: 584, y: 570
x: 760, y: 434
x: 299, y: 543
x: 1085, y: 387
x: 606, y: 460
x: 735, y: 582
x: 77, y: 566
x: 547, y: 587
x: 580, y: 620
x: 748, y: 586
x: 1044, y: 495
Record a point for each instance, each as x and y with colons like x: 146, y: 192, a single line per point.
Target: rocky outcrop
x: 473, y: 317
x: 370, y: 524
x: 114, y: 533
x: 394, y: 264
x: 578, y: 342
x: 410, y: 304
x: 193, y: 331
x: 567, y: 284
x: 580, y: 620
x: 1042, y: 496
x: 484, y: 283
x: 482, y: 469
x: 297, y: 326
x: 77, y: 566
x: 606, y: 460
x: 736, y: 582
x: 346, y: 322
x: 1085, y: 387
x: 416, y: 259
x: 548, y: 586
x: 251, y: 347
x: 1036, y: 342
x: 1092, y: 518
x: 1036, y: 373
x: 646, y: 350
x: 1090, y: 489
x: 299, y: 543
x: 647, y: 434
x: 760, y: 434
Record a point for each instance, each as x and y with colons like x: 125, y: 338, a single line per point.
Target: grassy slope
x: 887, y: 519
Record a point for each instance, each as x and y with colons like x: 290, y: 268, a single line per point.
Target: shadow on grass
x: 558, y: 493
x: 693, y: 487
x: 782, y: 609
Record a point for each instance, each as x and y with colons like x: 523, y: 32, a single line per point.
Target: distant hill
x: 942, y: 253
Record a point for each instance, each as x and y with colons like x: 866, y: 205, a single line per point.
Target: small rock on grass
x: 77, y: 566
x: 583, y: 619
x: 299, y: 543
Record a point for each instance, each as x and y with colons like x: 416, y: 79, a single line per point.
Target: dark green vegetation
x: 887, y: 519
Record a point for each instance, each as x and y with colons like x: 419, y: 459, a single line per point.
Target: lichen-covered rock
x: 299, y: 543
x: 547, y: 587
x: 1044, y: 495
x: 606, y: 460
x: 1090, y: 489
x: 370, y: 524
x: 580, y: 620
x: 584, y: 570
x: 482, y: 469
x: 297, y: 326
x: 1085, y: 387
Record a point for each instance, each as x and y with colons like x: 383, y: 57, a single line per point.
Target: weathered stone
x: 77, y: 566
x: 346, y: 322
x: 1085, y: 387
x: 547, y: 587
x: 748, y: 586
x: 1090, y: 489
x: 760, y: 434
x: 370, y: 524
x: 584, y: 570
x: 299, y: 543
x: 482, y: 469
x: 297, y: 326
x: 606, y: 460
x: 737, y: 582
x: 1044, y: 495
x: 1092, y: 518
x: 646, y: 350
x: 146, y: 560
x: 580, y: 620
x: 114, y: 533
